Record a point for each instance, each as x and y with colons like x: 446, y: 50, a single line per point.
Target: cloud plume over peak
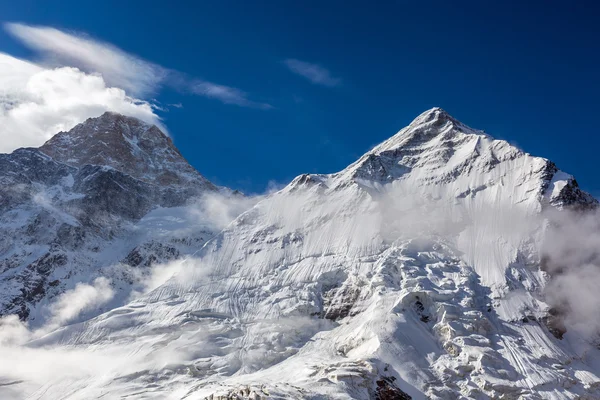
x: 36, y: 103
x: 78, y: 77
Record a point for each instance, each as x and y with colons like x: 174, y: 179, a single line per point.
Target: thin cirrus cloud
x: 226, y: 94
x: 77, y: 77
x: 313, y: 72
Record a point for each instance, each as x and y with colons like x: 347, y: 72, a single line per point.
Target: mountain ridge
x: 415, y: 272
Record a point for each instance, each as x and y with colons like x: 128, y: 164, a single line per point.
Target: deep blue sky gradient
x: 527, y: 72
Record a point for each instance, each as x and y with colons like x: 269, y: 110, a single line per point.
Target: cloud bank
x: 135, y: 75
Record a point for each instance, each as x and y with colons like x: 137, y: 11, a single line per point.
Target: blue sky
x: 527, y: 73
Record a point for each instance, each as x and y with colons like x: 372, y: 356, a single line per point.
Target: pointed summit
x: 427, y: 126
x: 436, y: 149
x: 435, y: 113
x: 126, y: 144
x: 437, y: 145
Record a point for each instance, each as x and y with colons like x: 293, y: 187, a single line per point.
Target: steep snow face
x: 74, y: 210
x: 413, y: 273
x: 468, y: 172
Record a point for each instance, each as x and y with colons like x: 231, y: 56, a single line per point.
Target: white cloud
x: 25, y: 369
x: 79, y: 78
x: 15, y: 73
x: 36, y: 103
x: 313, y: 72
x: 217, y: 210
x: 135, y: 75
x: 226, y: 94
x: 572, y: 259
x: 82, y: 298
x: 13, y: 331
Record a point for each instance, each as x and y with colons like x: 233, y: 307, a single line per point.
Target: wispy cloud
x: 313, y: 72
x: 77, y: 77
x: 138, y: 77
x: 226, y: 94
x: 118, y: 68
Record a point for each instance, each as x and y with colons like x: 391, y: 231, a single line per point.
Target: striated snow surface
x: 413, y: 273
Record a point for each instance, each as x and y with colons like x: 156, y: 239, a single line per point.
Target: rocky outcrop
x: 128, y: 145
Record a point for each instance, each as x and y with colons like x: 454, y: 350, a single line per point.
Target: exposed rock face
x: 386, y: 390
x: 128, y: 145
x: 64, y: 205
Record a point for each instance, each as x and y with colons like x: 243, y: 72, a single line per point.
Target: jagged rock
x: 386, y: 390
x: 151, y: 253
x: 127, y: 145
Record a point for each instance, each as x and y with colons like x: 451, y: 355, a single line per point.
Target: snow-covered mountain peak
x: 435, y: 141
x: 426, y: 127
x: 433, y: 114
x: 126, y: 144
x: 438, y: 152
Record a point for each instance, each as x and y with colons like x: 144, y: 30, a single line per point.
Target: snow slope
x: 413, y: 273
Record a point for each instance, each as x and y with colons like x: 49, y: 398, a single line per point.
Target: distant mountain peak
x: 126, y: 144
x: 71, y: 200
